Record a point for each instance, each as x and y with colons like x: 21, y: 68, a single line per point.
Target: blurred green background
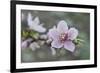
x: 81, y: 21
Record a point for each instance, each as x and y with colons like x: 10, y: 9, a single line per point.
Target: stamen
x: 63, y: 37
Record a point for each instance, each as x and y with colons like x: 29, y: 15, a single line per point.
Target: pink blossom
x: 62, y: 36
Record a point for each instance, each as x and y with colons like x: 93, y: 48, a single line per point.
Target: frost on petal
x: 34, y: 46
x: 53, y: 51
x: 62, y: 27
x: 53, y: 34
x: 72, y: 33
x: 56, y: 44
x: 68, y: 45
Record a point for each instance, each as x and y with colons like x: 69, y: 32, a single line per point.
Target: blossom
x: 24, y: 44
x: 35, y: 24
x: 62, y: 36
x: 34, y: 46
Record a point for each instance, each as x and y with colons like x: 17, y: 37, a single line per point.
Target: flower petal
x: 24, y: 44
x: 29, y: 20
x: 72, y: 33
x: 56, y: 44
x: 36, y: 21
x: 35, y: 24
x: 62, y: 27
x: 53, y: 34
x: 68, y: 45
x: 38, y: 28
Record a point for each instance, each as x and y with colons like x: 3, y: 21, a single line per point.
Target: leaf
x: 78, y: 42
x: 25, y: 33
x: 34, y: 35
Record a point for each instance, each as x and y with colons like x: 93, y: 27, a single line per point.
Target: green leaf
x: 25, y: 34
x: 34, y: 35
x: 78, y: 41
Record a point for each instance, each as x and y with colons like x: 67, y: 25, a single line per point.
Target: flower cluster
x: 59, y: 36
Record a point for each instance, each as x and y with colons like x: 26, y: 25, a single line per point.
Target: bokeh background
x: 81, y: 21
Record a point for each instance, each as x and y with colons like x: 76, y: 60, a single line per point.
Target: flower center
x: 63, y: 37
